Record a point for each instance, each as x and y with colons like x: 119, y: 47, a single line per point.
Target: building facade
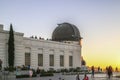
x: 63, y: 51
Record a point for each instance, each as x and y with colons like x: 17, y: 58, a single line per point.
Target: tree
x: 11, y: 47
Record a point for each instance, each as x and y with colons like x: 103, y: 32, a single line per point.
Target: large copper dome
x: 66, y: 32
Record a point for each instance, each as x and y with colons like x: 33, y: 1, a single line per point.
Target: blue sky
x: 97, y: 20
x: 40, y: 16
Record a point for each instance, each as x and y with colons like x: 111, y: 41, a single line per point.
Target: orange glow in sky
x: 102, y: 52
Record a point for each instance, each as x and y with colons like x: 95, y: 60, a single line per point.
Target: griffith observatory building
x: 62, y: 51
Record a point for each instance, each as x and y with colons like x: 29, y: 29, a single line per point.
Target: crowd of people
x: 109, y: 73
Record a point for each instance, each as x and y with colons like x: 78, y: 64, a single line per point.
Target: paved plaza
x: 71, y: 77
x: 59, y: 76
x: 67, y: 78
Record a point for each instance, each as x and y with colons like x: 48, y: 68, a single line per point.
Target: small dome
x: 66, y: 32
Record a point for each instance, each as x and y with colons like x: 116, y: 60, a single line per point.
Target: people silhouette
x: 0, y: 64
x: 93, y: 71
x: 77, y: 77
x: 85, y: 77
x: 110, y: 72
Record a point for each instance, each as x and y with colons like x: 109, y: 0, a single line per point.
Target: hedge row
x: 46, y: 74
x: 25, y: 76
x: 34, y: 75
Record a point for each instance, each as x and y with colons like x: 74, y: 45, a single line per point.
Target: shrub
x: 46, y: 74
x: 51, y: 70
x: 25, y: 76
x: 11, y: 69
x: 117, y: 76
x: 42, y: 71
x: 64, y: 70
x: 71, y: 69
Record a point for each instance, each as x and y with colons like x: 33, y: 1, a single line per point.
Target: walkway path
x: 71, y: 77
x: 58, y: 76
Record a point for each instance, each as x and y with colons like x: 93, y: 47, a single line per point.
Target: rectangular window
x: 40, y: 59
x: 27, y: 59
x: 51, y: 60
x: 70, y: 61
x: 61, y: 60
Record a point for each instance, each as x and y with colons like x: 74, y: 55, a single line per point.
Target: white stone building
x: 63, y: 51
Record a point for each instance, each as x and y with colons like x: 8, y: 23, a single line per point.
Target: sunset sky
x: 97, y: 20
